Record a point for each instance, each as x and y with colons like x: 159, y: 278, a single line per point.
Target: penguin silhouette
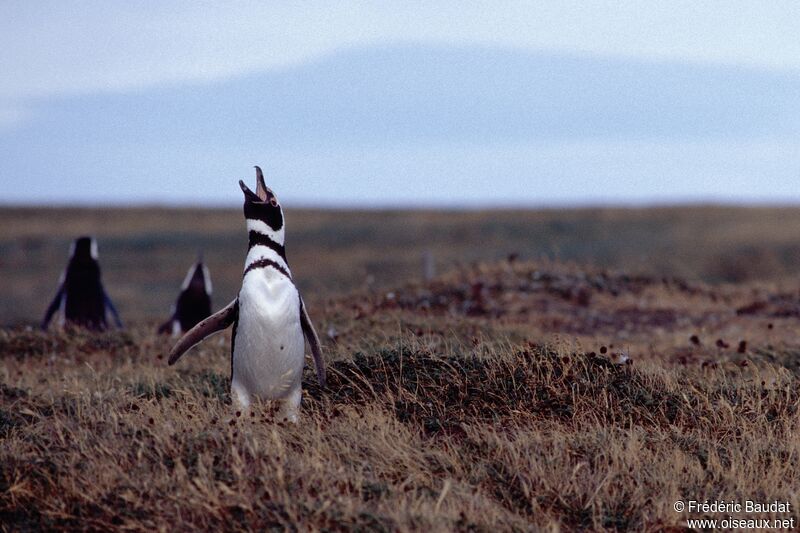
x: 81, y: 298
x: 194, y: 301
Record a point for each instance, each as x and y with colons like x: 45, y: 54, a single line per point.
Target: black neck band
x: 264, y: 262
x: 259, y: 239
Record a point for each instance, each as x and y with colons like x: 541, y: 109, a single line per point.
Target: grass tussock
x: 512, y: 395
x: 27, y: 342
x: 516, y: 437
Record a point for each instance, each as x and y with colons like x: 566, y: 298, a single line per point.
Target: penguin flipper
x: 166, y: 327
x: 313, y: 341
x: 220, y: 320
x: 53, y: 307
x: 113, y: 310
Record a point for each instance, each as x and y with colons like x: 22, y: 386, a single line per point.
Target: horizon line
x: 425, y: 206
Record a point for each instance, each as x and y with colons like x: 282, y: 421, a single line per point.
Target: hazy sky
x: 400, y: 103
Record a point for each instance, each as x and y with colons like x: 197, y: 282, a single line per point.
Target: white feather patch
x: 207, y: 280
x: 270, y: 352
x: 261, y: 227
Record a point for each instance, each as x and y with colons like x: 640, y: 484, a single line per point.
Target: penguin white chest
x: 268, y: 354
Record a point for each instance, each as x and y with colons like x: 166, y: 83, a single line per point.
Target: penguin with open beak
x: 268, y: 316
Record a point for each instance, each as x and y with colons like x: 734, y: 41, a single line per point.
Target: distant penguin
x: 81, y: 299
x: 268, y: 317
x: 194, y: 301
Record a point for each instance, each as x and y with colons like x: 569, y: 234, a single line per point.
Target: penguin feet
x: 240, y: 397
x: 290, y: 408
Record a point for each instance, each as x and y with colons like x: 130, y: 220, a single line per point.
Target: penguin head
x: 262, y: 210
x: 83, y: 249
x: 198, y: 279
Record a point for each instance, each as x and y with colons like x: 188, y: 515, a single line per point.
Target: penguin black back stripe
x: 262, y: 263
x: 259, y: 239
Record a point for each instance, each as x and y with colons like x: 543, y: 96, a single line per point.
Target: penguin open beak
x: 261, y: 189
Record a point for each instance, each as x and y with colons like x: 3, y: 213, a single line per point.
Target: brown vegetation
x: 508, y: 395
x: 445, y: 409
x: 335, y: 252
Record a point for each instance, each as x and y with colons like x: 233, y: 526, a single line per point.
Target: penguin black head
x: 262, y: 210
x: 84, y: 249
x: 198, y: 279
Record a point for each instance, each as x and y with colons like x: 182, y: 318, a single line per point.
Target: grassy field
x: 145, y: 252
x: 564, y: 370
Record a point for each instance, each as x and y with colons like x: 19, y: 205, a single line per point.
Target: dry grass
x: 480, y: 401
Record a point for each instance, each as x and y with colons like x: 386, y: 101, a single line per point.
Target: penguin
x: 268, y: 316
x: 194, y: 301
x: 81, y: 298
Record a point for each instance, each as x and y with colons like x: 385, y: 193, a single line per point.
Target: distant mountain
x: 420, y: 94
x: 421, y: 124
